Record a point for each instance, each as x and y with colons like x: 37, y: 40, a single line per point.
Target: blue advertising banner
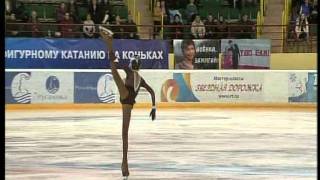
x: 41, y: 53
x: 94, y: 88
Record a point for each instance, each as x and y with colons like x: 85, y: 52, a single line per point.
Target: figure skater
x: 128, y: 90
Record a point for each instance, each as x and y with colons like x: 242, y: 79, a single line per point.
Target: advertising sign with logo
x: 155, y: 80
x: 95, y: 87
x: 52, y: 87
x: 18, y: 88
x: 303, y: 87
x: 228, y: 86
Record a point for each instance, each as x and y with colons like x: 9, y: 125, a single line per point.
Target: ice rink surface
x: 192, y: 144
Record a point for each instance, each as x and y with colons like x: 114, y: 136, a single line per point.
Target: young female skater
x: 128, y: 91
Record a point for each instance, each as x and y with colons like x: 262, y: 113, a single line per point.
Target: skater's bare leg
x: 126, y: 113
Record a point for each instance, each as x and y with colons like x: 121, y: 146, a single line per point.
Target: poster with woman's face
x: 196, y: 54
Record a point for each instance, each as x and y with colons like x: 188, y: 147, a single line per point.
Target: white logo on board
x: 19, y: 90
x: 105, y: 89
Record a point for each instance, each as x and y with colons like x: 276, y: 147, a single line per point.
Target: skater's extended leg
x: 123, y: 91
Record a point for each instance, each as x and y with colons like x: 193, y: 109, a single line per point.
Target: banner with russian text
x: 196, y: 54
x: 245, y: 53
x: 41, y: 53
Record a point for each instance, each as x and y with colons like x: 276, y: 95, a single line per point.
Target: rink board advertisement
x: 171, y: 86
x: 228, y: 87
x: 94, y: 87
x: 41, y: 53
x: 245, y: 53
x: 39, y: 87
x: 18, y: 88
x: 302, y: 87
x: 204, y: 54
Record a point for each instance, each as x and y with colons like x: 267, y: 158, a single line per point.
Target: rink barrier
x: 170, y: 86
x: 164, y: 105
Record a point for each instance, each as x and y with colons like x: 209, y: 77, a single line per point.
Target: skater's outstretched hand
x: 153, y: 113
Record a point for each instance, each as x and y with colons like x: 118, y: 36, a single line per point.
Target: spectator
x: 8, y: 6
x: 61, y: 11
x: 89, y: 28
x: 172, y: 10
x: 131, y: 29
x: 12, y: 29
x: 157, y: 17
x: 302, y: 27
x: 95, y: 11
x: 177, y: 32
x: 74, y: 13
x: 164, y: 11
x: 106, y: 18
x: 305, y: 8
x: 210, y: 25
x: 67, y: 27
x: 118, y: 29
x: 197, y: 28
x: 21, y: 12
x: 188, y: 49
x: 34, y: 25
x: 191, y: 11
x: 222, y: 29
x: 247, y: 28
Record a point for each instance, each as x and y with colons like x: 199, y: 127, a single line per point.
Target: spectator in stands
x: 21, y: 12
x: 302, y: 28
x: 305, y: 8
x: 131, y: 30
x: 247, y: 28
x: 89, y: 28
x: 12, y: 29
x: 118, y: 29
x: 172, y: 10
x: 249, y: 2
x: 188, y: 49
x: 177, y: 32
x: 67, y: 27
x: 34, y: 25
x: 210, y: 25
x: 74, y: 13
x: 61, y: 11
x: 191, y: 11
x: 8, y: 6
x: 157, y: 17
x: 222, y: 29
x: 198, y: 29
x: 164, y: 11
x: 107, y: 17
x: 95, y: 11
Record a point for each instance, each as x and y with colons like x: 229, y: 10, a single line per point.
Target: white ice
x: 183, y: 144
